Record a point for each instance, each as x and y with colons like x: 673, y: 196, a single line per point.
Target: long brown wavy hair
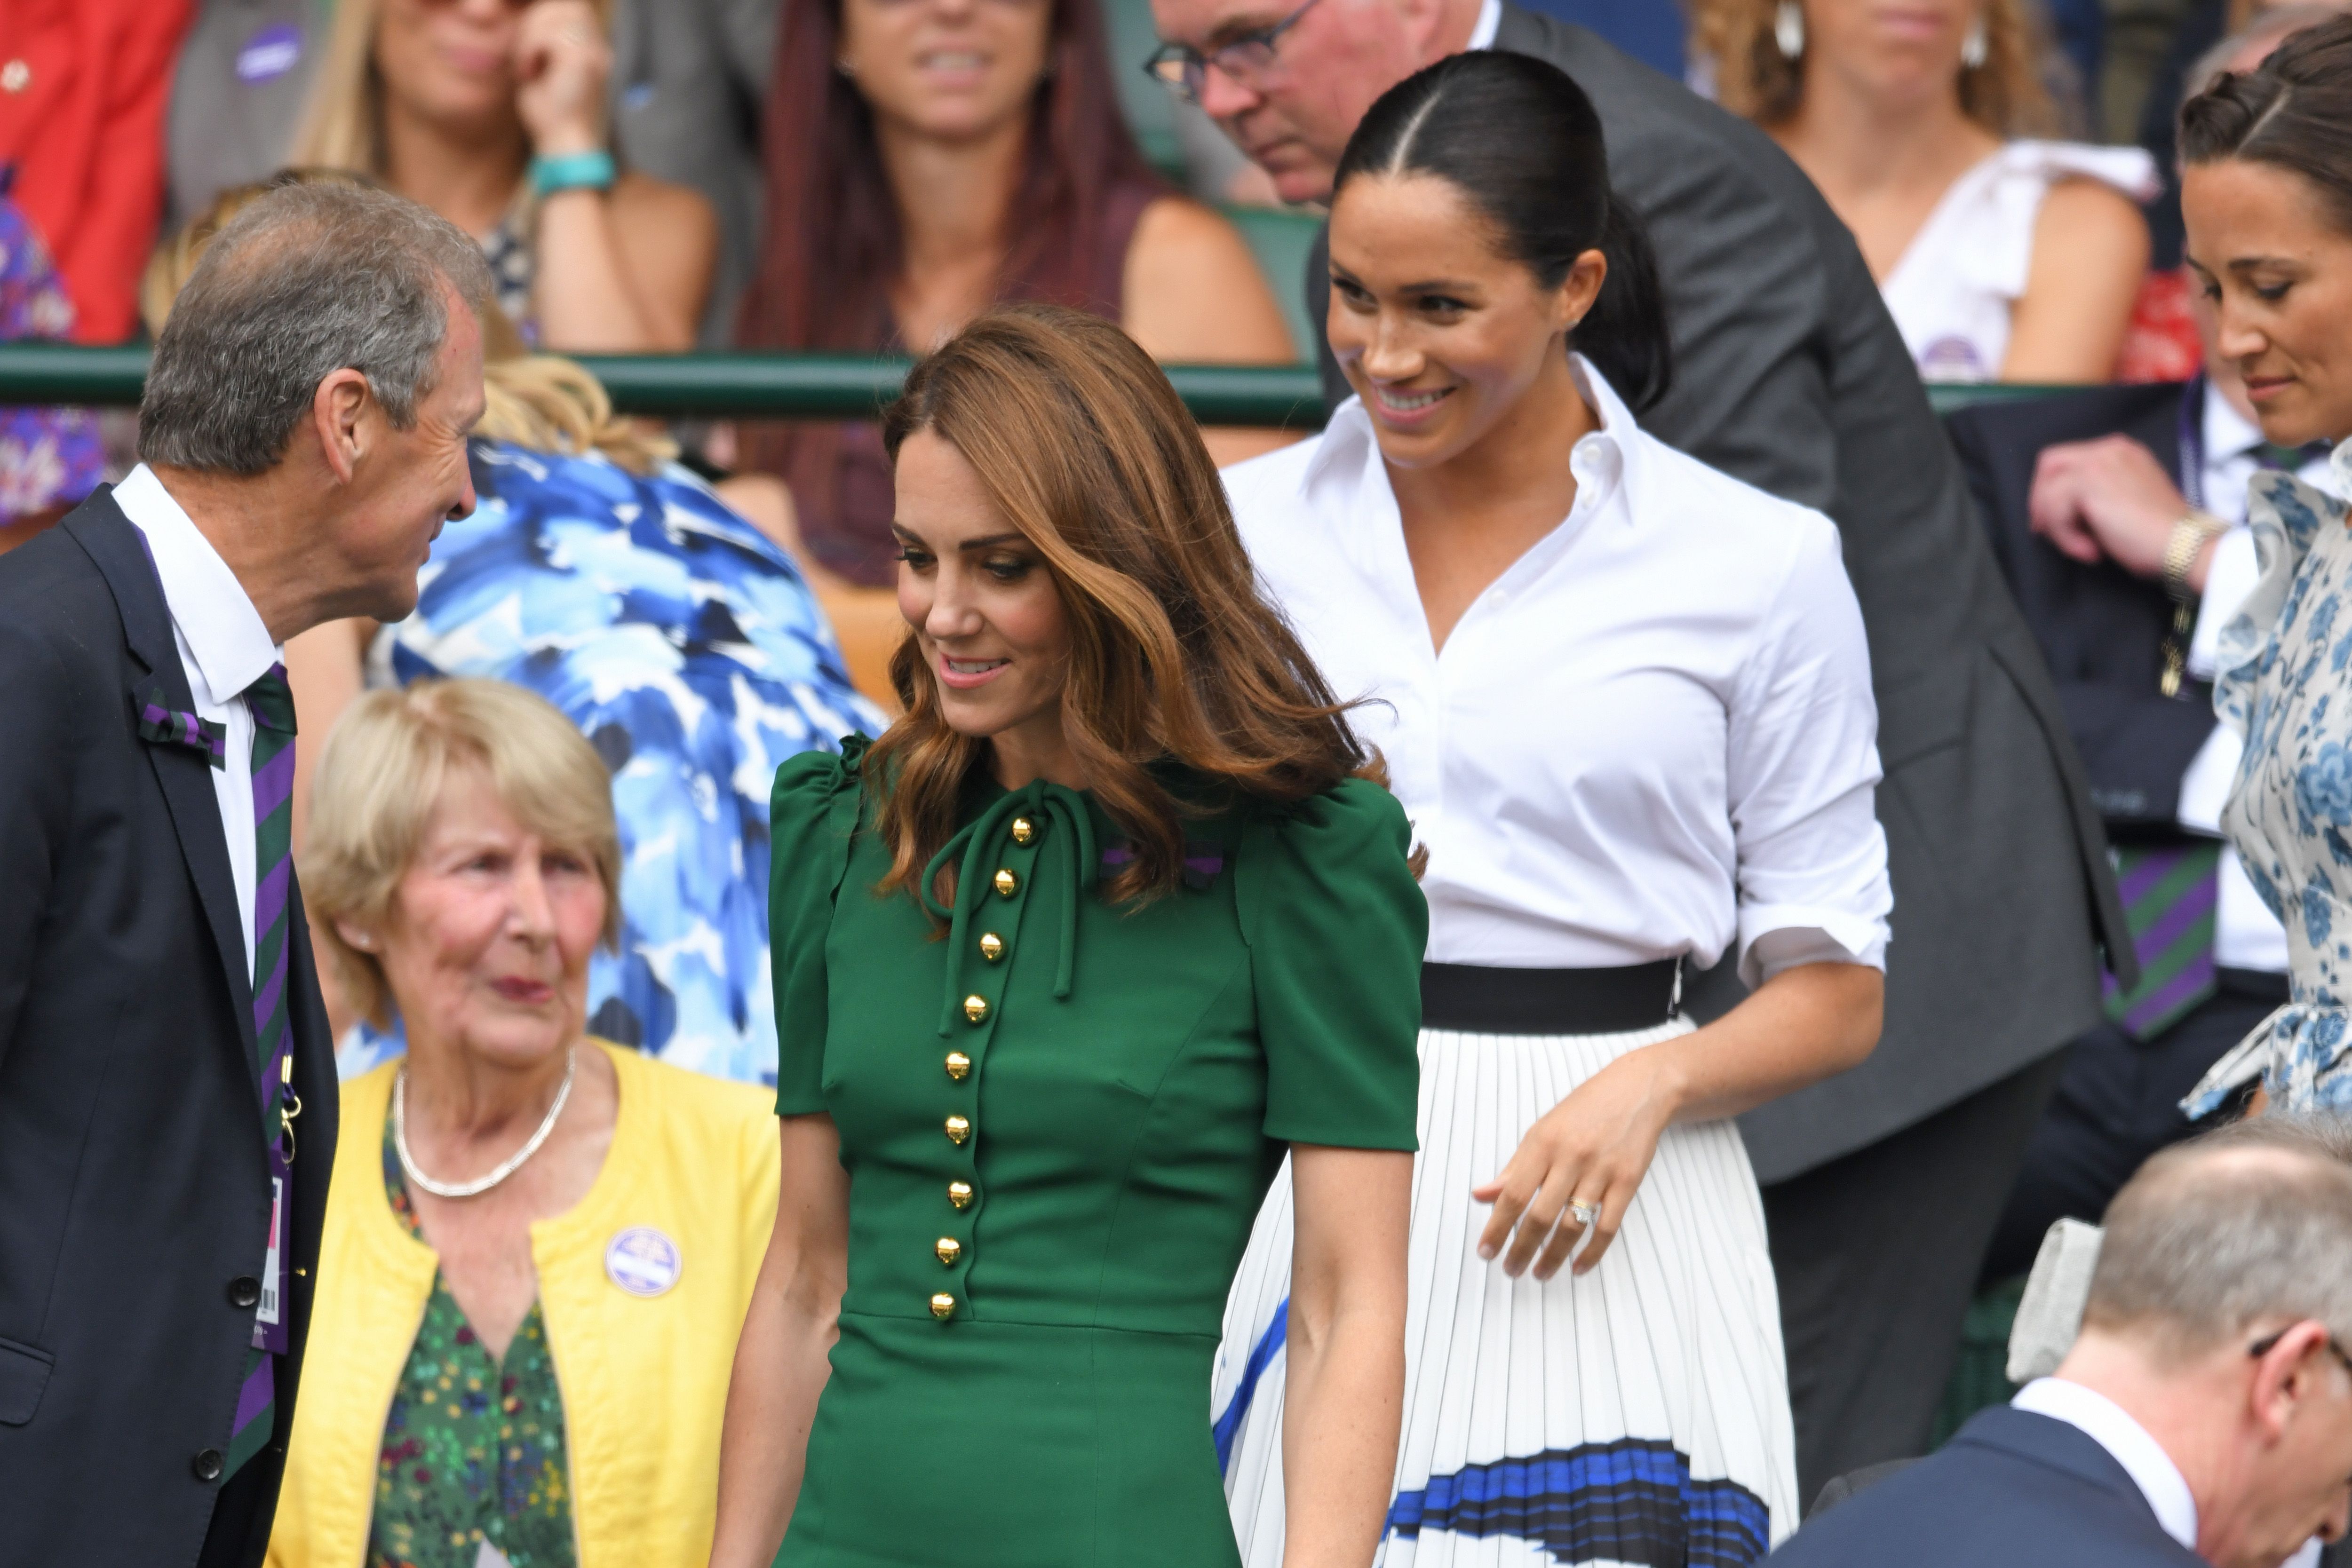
x: 1754, y: 81
x: 1174, y: 656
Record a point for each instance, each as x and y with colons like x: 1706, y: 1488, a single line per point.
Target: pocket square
x: 172, y: 727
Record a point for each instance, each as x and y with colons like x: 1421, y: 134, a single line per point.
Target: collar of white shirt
x: 1604, y: 460
x: 225, y: 637
x: 2128, y: 1442
x: 1490, y: 20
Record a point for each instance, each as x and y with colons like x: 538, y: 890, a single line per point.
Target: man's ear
x: 343, y: 415
x: 2288, y: 1373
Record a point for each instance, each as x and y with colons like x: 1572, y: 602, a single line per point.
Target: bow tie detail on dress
x: 1048, y: 808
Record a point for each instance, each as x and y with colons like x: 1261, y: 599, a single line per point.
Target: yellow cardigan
x: 644, y: 1377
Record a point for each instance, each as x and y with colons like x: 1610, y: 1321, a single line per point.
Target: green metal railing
x: 785, y: 386
x: 794, y: 386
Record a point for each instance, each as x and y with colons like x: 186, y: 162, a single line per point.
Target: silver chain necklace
x: 479, y: 1184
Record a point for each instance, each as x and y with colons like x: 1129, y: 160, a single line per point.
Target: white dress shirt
x: 1651, y: 735
x: 1490, y: 22
x: 224, y: 647
x: 2246, y: 934
x: 2128, y: 1442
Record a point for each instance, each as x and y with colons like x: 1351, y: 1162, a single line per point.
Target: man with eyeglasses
x: 1882, y: 1186
x: 2204, y: 1415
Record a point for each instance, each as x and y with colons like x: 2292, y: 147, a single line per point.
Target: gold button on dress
x: 1143, y: 1064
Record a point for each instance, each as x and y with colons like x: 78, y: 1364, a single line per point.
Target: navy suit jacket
x: 134, y: 1193
x: 2012, y: 1490
x: 2101, y: 628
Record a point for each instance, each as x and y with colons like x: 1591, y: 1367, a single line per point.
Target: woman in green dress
x: 1064, y: 962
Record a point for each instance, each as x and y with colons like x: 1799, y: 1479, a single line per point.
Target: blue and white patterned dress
x: 689, y: 649
x: 2285, y: 683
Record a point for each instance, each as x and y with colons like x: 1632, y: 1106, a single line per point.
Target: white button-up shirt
x: 224, y: 647
x: 1651, y: 735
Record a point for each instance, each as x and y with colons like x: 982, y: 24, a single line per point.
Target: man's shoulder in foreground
x: 2013, y: 1487
x: 54, y: 595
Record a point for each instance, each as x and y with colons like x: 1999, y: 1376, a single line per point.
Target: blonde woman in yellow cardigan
x: 539, y: 1246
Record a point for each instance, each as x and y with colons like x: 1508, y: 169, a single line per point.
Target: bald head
x: 2216, y: 1236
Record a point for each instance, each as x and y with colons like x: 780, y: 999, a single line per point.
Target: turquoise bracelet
x: 573, y: 172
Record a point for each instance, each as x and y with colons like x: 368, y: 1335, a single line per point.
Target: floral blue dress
x: 2285, y: 683
x: 49, y: 456
x: 691, y: 654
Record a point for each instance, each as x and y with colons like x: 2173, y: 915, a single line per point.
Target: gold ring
x: 1583, y: 1213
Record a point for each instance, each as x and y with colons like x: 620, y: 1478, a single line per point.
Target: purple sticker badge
x: 269, y: 54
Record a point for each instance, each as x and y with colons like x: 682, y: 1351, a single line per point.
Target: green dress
x: 1058, y: 1122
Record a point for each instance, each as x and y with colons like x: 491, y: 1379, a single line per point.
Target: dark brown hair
x: 1754, y: 79
x: 2292, y: 112
x: 832, y: 245
x: 1175, y: 658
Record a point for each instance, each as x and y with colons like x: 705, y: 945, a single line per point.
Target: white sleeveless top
x: 1951, y: 292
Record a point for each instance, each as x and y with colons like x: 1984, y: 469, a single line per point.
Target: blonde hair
x: 1754, y: 79
x: 381, y: 778
x: 342, y: 122
x: 543, y: 402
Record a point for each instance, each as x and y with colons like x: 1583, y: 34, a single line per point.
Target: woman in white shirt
x: 2001, y: 259
x: 1625, y: 700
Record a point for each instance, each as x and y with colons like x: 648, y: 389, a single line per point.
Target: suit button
x: 943, y: 1306
x: 208, y: 1465
x: 1007, y: 884
x: 958, y: 1128
x: 245, y: 1290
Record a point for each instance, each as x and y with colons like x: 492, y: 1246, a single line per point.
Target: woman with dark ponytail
x: 1625, y: 700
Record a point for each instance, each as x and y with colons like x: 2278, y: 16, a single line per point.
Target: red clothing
x: 83, y: 87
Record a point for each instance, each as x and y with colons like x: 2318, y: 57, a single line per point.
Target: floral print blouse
x: 690, y: 652
x: 49, y: 456
x: 473, y: 1450
x: 2285, y: 683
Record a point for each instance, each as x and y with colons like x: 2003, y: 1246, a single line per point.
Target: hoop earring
x: 1789, y: 29
x: 1973, y: 48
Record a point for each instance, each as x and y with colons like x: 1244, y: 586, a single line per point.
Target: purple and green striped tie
x: 2168, y: 894
x: 272, y: 706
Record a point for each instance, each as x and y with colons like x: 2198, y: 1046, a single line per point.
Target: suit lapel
x: 183, y: 771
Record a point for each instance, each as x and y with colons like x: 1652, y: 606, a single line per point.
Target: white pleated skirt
x: 1636, y: 1414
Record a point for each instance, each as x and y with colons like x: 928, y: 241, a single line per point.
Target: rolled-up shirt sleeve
x: 1803, y: 770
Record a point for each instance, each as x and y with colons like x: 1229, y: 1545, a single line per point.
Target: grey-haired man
x: 2204, y: 1414
x: 167, y: 1084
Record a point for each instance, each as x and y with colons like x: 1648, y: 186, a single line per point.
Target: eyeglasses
x: 2268, y: 1342
x: 1183, y: 69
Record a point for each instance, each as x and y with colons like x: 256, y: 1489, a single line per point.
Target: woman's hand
x: 562, y: 64
x: 1593, y: 1147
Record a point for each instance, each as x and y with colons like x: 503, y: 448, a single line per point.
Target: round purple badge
x: 269, y: 54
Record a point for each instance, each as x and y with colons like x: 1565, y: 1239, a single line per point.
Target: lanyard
x: 2192, y: 440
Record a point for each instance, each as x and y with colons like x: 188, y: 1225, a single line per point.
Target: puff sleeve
x: 811, y: 817
x: 1336, y: 927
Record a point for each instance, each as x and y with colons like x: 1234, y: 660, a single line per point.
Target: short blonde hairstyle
x: 380, y: 780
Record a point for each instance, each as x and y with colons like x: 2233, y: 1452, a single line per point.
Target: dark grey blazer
x: 1790, y: 374
x: 134, y: 1194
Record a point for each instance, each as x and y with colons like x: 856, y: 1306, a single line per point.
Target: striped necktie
x: 271, y: 703
x: 2168, y: 893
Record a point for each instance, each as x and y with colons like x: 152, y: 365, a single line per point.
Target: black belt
x: 1480, y: 1001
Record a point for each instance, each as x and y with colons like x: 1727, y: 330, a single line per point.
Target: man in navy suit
x: 2204, y: 1416
x: 167, y: 1081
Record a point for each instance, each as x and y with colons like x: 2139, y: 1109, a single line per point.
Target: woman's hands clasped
x: 1579, y: 1167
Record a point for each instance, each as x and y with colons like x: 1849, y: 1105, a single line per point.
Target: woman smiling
x: 538, y: 1245
x: 1064, y: 961
x: 1626, y: 702
x: 2266, y: 195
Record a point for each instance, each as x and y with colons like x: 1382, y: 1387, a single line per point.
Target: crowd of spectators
x: 637, y: 624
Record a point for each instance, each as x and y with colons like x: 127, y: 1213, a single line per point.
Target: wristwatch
x: 2188, y: 535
